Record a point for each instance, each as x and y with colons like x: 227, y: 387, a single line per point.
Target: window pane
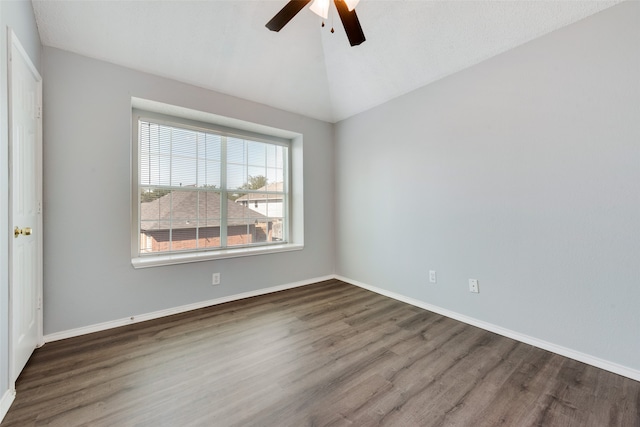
x: 239, y: 233
x: 277, y: 230
x: 155, y: 160
x: 154, y: 236
x: 183, y: 142
x: 271, y: 155
x: 261, y: 232
x: 236, y: 176
x: 257, y: 153
x: 257, y: 177
x: 242, y: 216
x: 183, y: 157
x: 154, y: 139
x: 154, y: 170
x: 184, y: 205
x: 209, y: 174
x: 281, y: 156
x: 236, y: 151
x: 148, y: 230
x: 209, y: 146
x: 155, y: 204
x: 181, y: 186
x: 274, y: 175
x: 183, y: 171
x: 240, y: 205
x: 183, y: 235
x: 209, y: 206
x: 209, y: 234
x: 274, y: 205
x: 194, y: 224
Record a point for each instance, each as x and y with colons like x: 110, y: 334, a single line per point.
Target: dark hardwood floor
x: 328, y: 354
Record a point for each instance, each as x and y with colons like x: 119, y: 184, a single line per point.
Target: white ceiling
x: 224, y: 45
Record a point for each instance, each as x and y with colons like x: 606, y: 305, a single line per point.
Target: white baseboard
x: 6, y: 402
x: 554, y: 348
x: 175, y: 310
x: 545, y: 345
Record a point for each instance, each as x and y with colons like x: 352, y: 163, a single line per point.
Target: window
x: 203, y: 191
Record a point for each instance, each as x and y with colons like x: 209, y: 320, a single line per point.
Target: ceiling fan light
x: 320, y: 8
x: 351, y: 4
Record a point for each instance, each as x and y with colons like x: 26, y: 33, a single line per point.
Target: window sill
x: 159, y: 260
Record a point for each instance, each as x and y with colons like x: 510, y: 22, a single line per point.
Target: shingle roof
x: 189, y: 207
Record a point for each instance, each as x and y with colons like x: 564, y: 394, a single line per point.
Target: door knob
x: 24, y: 231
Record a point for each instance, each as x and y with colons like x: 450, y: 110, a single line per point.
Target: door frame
x: 14, y: 46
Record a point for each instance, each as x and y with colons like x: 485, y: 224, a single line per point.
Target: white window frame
x: 183, y: 117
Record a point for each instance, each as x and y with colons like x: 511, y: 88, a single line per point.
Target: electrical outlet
x: 473, y: 286
x: 432, y: 276
x: 215, y: 280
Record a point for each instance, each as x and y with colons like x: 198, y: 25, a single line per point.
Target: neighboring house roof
x: 188, y: 206
x: 275, y: 187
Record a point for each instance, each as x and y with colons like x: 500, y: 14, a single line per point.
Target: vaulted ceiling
x: 224, y: 45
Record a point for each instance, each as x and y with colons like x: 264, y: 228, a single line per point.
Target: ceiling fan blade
x: 351, y: 23
x: 285, y: 15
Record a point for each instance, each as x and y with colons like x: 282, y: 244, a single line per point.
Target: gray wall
x: 88, y: 277
x: 522, y: 172
x: 17, y: 15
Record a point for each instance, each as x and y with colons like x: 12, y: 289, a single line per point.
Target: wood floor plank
x: 328, y: 354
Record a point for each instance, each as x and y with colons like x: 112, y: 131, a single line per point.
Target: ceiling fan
x: 321, y: 7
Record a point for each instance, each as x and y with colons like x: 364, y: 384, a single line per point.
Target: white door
x: 25, y: 190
